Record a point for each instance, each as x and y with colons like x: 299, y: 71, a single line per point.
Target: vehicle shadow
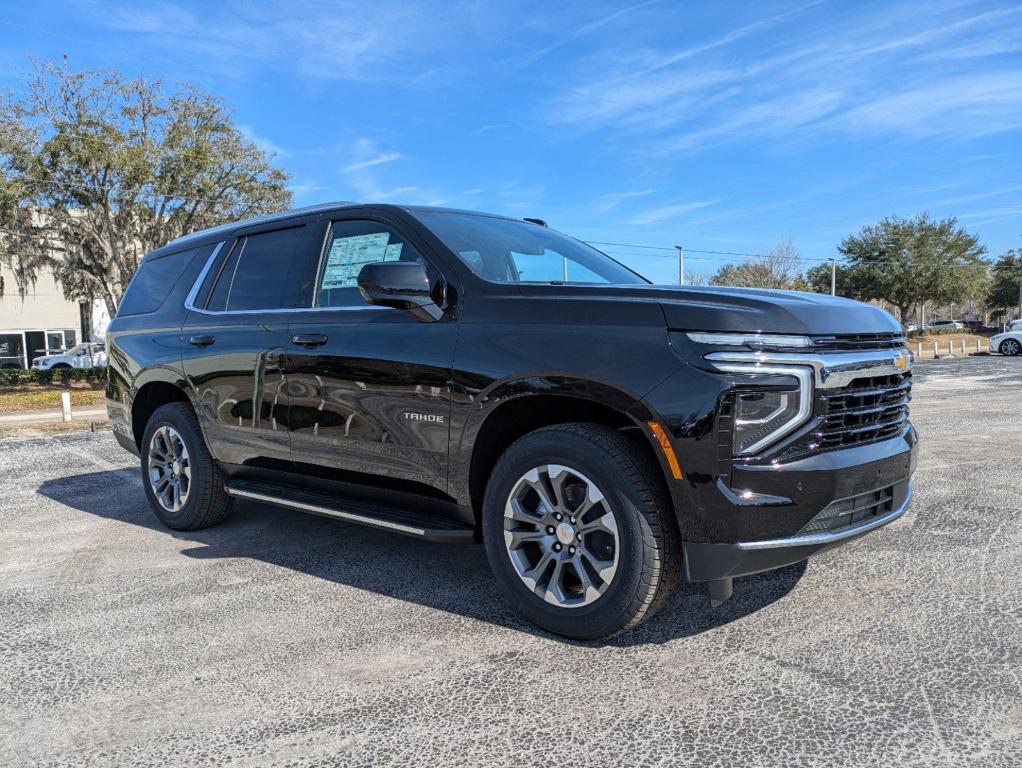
x: 451, y: 578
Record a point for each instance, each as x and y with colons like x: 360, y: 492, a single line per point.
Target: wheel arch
x: 513, y: 409
x: 150, y: 396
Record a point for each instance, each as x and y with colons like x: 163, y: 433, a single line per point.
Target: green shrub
x: 16, y: 377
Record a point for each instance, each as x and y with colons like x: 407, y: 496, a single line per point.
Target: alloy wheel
x: 170, y: 473
x: 561, y: 536
x: 1011, y: 347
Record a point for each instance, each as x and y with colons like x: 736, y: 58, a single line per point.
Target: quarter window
x: 350, y: 246
x: 154, y: 279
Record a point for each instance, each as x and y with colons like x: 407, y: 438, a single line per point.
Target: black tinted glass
x: 154, y: 280
x: 260, y: 279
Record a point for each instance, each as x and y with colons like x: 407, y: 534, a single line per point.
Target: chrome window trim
x: 803, y: 375
x: 193, y: 294
x: 832, y: 370
x: 190, y: 298
x: 831, y: 537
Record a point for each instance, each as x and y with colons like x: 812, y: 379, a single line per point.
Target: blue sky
x: 719, y: 126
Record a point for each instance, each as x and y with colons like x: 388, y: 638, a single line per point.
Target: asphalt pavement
x: 285, y: 639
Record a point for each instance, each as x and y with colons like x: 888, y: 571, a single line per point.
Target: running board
x: 420, y: 525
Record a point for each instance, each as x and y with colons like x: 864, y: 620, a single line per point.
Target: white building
x: 44, y: 321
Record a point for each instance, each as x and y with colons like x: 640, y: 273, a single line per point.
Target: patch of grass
x: 49, y: 397
x: 56, y: 428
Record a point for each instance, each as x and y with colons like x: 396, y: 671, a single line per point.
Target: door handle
x: 309, y: 340
x: 201, y: 341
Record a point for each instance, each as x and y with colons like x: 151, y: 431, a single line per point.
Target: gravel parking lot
x: 286, y: 639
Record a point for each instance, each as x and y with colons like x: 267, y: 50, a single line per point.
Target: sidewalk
x: 51, y: 415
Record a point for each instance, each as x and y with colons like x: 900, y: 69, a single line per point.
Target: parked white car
x: 88, y: 355
x: 938, y: 324
x: 1015, y: 325
x: 1009, y: 343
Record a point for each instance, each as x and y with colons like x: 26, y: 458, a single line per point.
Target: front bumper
x: 709, y: 562
x: 744, y: 516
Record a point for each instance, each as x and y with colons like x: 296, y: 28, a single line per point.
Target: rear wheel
x: 183, y: 483
x: 1010, y: 347
x: 579, y: 531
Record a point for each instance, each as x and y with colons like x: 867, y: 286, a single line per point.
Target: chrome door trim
x: 327, y: 512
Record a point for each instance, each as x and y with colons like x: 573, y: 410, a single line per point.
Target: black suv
x: 464, y: 377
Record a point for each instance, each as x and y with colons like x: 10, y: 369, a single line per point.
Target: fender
x: 476, y: 411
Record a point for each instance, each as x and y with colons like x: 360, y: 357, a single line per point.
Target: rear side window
x: 154, y: 280
x: 255, y: 274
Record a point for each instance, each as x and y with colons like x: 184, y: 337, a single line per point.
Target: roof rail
x: 535, y: 221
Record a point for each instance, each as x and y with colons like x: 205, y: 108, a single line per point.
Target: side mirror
x: 402, y: 285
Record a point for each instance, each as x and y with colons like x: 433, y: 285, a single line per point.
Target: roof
x: 223, y: 229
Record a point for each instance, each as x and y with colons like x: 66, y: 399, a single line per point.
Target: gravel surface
x: 286, y: 639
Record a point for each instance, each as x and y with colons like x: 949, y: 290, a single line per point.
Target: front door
x: 368, y: 386
x: 234, y: 339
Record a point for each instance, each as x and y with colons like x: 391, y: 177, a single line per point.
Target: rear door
x: 234, y: 339
x: 369, y: 386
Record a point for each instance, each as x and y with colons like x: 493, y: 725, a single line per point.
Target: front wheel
x: 1010, y: 347
x: 183, y: 482
x: 579, y: 531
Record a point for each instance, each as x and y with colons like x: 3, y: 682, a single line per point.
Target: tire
x: 582, y: 458
x: 201, y: 502
x: 1010, y: 347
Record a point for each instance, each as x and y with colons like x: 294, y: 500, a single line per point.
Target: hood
x: 748, y: 310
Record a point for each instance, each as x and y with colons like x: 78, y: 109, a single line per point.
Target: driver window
x: 350, y: 246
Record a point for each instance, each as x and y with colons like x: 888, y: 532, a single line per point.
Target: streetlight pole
x: 833, y: 277
x: 681, y: 264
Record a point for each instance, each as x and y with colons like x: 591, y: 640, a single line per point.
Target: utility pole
x: 681, y: 264
x: 833, y: 277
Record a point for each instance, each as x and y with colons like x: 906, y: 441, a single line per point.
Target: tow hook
x: 720, y: 590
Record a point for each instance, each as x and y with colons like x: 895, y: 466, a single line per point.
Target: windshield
x: 508, y: 251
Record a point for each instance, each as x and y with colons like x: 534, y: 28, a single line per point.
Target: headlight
x: 763, y: 415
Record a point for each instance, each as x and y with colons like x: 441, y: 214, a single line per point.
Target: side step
x: 423, y: 526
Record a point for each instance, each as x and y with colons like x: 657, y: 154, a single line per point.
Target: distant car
x: 973, y: 325
x: 910, y: 327
x: 1015, y: 325
x: 88, y: 355
x: 1009, y: 343
x: 937, y: 325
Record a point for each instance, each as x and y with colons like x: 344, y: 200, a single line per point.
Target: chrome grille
x: 869, y: 409
x: 857, y: 341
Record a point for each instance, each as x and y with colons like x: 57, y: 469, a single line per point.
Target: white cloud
x: 726, y: 39
x: 613, y: 199
x: 973, y: 105
x: 386, y: 157
x: 861, y: 72
x: 669, y: 212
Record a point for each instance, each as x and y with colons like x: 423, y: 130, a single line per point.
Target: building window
x: 12, y: 350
